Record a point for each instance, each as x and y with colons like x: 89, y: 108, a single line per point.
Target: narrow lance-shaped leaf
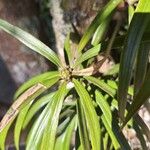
x: 68, y: 134
x: 90, y: 115
x: 83, y: 132
x: 21, y: 102
x: 68, y: 49
x: 36, y: 79
x: 88, y: 54
x: 140, y: 98
x: 19, y: 123
x: 102, y: 15
x: 35, y: 107
x: 141, y: 66
x: 134, y: 36
x: 30, y: 41
x: 35, y: 135
x: 106, y: 117
x: 102, y: 85
x: 3, y: 134
x: 100, y: 31
x: 49, y: 135
x: 26, y: 115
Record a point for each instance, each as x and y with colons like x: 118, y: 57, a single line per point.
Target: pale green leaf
x: 101, y: 16
x: 102, y: 85
x: 88, y: 54
x: 36, y: 79
x: 90, y: 115
x: 49, y: 135
x: 30, y: 41
x: 35, y: 107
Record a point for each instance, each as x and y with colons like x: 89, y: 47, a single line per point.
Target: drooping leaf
x: 35, y: 107
x: 139, y: 99
x: 106, y: 117
x: 110, y: 122
x: 90, y: 114
x: 101, y: 16
x: 68, y: 134
x: 35, y: 135
x: 3, y: 134
x: 141, y: 66
x: 83, y: 132
x: 37, y: 79
x: 20, y: 103
x: 132, y: 43
x: 30, y: 41
x: 19, y: 123
x: 49, y: 134
x: 102, y: 85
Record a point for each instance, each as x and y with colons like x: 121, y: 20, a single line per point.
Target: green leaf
x: 20, y: 103
x: 140, y: 98
x: 100, y: 31
x: 49, y: 135
x: 37, y: 79
x: 90, y: 115
x: 106, y: 117
x: 36, y: 132
x: 132, y: 43
x: 130, y: 13
x: 35, y: 107
x: 83, y: 132
x: 68, y: 49
x: 101, y: 16
x: 141, y: 66
x: 30, y: 42
x: 102, y: 85
x: 88, y: 54
x: 3, y: 135
x: 110, y: 124
x: 19, y: 123
x: 68, y: 134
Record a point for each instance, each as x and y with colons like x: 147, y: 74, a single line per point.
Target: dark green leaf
x: 134, y: 36
x: 141, y: 66
x: 140, y: 98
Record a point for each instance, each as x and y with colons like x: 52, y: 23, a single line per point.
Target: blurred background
x: 50, y: 21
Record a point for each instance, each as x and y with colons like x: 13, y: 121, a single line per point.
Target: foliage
x: 86, y: 105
